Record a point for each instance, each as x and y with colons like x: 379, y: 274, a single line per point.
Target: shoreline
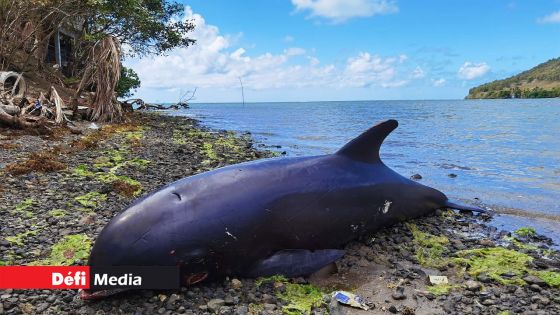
x: 54, y: 217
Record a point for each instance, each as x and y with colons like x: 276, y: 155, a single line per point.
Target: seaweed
x: 255, y: 308
x: 429, y: 248
x: 495, y: 262
x: 92, y: 140
x: 178, y: 137
x: 19, y: 238
x: 57, y: 213
x: 552, y: 278
x: 44, y: 162
x: 526, y: 232
x: 67, y: 251
x: 127, y: 188
x: 300, y: 298
x: 441, y: 289
x: 82, y: 171
x: 23, y: 206
x: 91, y: 199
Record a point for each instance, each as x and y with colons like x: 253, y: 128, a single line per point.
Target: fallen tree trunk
x: 16, y: 121
x: 11, y: 109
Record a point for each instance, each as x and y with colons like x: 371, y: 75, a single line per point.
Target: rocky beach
x: 59, y: 189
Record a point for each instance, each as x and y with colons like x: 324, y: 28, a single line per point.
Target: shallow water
x: 504, y: 152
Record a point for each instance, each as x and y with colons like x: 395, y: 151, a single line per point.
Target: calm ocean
x: 504, y: 152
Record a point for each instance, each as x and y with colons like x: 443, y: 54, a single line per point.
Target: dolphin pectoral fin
x: 294, y: 262
x: 458, y: 206
x: 365, y: 147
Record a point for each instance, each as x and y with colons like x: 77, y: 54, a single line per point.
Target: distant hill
x: 539, y: 82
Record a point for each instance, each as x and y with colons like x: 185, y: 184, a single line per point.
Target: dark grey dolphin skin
x: 285, y: 216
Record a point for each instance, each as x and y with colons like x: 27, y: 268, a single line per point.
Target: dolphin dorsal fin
x: 365, y: 147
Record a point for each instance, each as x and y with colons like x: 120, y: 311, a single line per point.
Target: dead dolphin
x: 285, y: 216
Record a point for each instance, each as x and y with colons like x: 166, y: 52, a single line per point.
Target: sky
x: 321, y: 50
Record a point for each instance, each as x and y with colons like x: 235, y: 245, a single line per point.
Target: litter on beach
x: 434, y: 280
x: 350, y: 299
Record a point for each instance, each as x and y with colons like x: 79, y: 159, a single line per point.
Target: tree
x: 146, y: 26
x: 128, y: 82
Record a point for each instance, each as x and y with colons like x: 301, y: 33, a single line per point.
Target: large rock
x: 215, y: 304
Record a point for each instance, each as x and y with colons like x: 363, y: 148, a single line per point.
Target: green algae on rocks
x: 21, y: 208
x: 67, y: 251
x: 429, y: 248
x: 91, y: 199
x: 525, y: 232
x: 57, y: 213
x: 300, y: 298
x: 19, y: 238
x: 441, y: 289
x: 552, y: 278
x: 495, y: 262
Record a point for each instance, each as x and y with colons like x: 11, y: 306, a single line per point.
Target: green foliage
x: 146, y: 26
x: 128, y: 82
x: 495, y: 262
x: 542, y: 81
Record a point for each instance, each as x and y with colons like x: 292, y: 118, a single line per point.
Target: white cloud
x: 553, y: 17
x: 294, y: 51
x: 313, y: 60
x: 342, y: 10
x: 214, y: 63
x: 470, y: 70
x: 366, y: 70
x: 418, y: 73
x: 288, y: 39
x: 438, y: 82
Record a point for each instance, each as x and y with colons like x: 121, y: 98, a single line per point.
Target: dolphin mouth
x: 85, y: 295
x: 195, y: 278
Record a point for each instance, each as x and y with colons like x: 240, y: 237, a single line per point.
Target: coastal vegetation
x: 67, y: 54
x: 542, y: 81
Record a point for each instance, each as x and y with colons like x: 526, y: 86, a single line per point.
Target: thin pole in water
x: 242, y: 92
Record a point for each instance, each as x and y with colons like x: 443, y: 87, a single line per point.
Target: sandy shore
x: 51, y: 212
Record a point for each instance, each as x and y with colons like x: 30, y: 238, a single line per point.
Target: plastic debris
x: 434, y: 280
x: 350, y: 299
x: 93, y: 126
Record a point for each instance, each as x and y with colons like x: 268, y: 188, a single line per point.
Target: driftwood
x: 183, y: 102
x: 11, y: 109
x: 163, y: 107
x: 39, y: 113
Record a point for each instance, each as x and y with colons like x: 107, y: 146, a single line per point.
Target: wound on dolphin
x: 287, y: 216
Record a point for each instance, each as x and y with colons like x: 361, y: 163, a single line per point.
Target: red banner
x: 44, y: 277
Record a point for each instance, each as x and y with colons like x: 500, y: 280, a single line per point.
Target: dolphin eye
x: 197, y: 260
x: 177, y: 194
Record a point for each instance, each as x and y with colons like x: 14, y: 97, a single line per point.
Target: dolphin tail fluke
x: 459, y: 206
x: 365, y: 147
x: 295, y: 262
